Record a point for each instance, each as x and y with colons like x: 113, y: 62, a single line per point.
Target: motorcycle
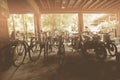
x: 93, y: 41
x: 109, y: 44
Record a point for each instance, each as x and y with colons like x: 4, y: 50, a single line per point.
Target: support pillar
x: 37, y: 23
x: 118, y: 27
x: 80, y: 22
x: 4, y: 34
x: 5, y: 48
x: 5, y: 56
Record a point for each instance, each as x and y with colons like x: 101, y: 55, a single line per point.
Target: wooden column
x: 80, y: 22
x: 4, y: 35
x: 118, y: 27
x: 37, y: 23
x: 5, y: 56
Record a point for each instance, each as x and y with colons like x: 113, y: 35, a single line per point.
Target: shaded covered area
x: 76, y: 67
x: 62, y: 5
x: 61, y: 57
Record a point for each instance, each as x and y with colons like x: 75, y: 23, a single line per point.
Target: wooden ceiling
x: 47, y: 6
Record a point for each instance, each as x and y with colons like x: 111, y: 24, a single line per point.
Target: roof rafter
x: 82, y: 4
x: 70, y: 3
x: 77, y: 3
x: 94, y: 4
x: 63, y: 2
x: 107, y: 3
x: 42, y: 4
x: 113, y: 4
x: 101, y: 3
x: 87, y: 4
x: 34, y: 5
x: 57, y: 2
x: 48, y: 3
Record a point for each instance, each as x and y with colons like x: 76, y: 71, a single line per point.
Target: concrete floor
x: 76, y: 67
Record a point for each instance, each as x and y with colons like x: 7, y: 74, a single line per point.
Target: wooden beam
x: 42, y: 4
x: 77, y: 11
x: 82, y: 4
x: 63, y: 4
x: 38, y: 23
x: 70, y: 3
x: 109, y: 2
x: 48, y: 3
x: 34, y: 6
x: 117, y: 6
x: 87, y: 4
x: 4, y: 33
x: 80, y: 22
x: 113, y: 4
x: 57, y: 3
x: 94, y: 4
x: 51, y: 4
x: 100, y: 4
x: 118, y: 27
x: 77, y: 3
x: 73, y: 10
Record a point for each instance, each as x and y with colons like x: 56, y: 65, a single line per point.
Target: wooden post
x: 80, y: 22
x: 4, y: 34
x: 118, y: 27
x: 5, y: 56
x: 37, y: 23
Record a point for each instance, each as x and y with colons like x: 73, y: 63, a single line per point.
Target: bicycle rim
x: 34, y: 52
x: 19, y: 52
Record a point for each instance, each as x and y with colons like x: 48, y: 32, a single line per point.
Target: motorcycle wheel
x: 101, y: 52
x: 112, y: 49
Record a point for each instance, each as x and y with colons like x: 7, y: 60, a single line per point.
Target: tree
x: 59, y: 21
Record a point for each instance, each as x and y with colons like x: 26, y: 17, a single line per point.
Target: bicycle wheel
x: 19, y: 52
x: 34, y: 52
x: 61, y: 54
x: 112, y: 49
x: 45, y: 51
x: 33, y: 41
x: 101, y: 52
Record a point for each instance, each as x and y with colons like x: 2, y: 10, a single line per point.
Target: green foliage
x: 21, y: 22
x: 59, y: 21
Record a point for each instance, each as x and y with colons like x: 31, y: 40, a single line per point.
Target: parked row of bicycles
x: 101, y: 47
x: 44, y: 43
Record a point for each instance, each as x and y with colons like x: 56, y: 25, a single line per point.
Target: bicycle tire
x: 34, y: 52
x: 46, y: 51
x: 101, y: 52
x: 61, y: 54
x: 19, y: 50
x: 112, y: 49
